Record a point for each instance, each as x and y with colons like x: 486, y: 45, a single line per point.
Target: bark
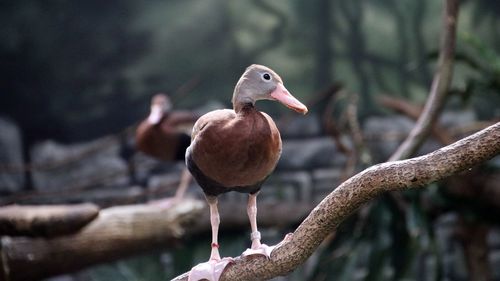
x: 359, y: 189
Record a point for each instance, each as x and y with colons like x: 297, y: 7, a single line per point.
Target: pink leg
x: 252, y: 216
x: 214, y: 221
x: 257, y: 248
x: 183, y: 184
x: 214, y: 267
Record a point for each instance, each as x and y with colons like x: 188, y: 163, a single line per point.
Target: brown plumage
x: 159, y: 136
x: 236, y: 150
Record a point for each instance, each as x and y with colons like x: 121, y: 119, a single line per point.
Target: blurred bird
x: 159, y: 136
x: 236, y: 150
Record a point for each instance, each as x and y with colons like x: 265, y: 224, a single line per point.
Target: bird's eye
x: 266, y: 77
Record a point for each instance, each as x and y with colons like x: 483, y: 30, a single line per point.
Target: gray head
x: 259, y: 82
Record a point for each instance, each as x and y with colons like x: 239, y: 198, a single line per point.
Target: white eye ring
x: 266, y: 77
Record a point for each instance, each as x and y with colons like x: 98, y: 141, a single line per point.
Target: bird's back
x: 154, y: 141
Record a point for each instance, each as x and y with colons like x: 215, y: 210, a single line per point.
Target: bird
x: 236, y: 150
x: 159, y: 136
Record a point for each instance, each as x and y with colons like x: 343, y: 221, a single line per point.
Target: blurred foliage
x: 482, y: 87
x: 78, y: 70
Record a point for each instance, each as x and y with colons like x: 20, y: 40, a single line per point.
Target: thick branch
x: 439, y: 88
x: 361, y: 188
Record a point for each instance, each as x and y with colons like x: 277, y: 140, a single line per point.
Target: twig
x: 359, y: 189
x: 330, y: 125
x: 361, y: 151
x: 439, y: 88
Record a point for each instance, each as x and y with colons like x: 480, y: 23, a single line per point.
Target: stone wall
x: 11, y: 179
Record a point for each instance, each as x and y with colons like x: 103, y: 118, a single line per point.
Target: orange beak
x: 282, y: 95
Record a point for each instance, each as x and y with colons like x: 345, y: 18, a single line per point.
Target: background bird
x: 236, y: 150
x: 159, y: 136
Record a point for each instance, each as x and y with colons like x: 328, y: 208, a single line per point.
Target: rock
x: 61, y: 278
x: 103, y: 197
x: 456, y: 118
x: 325, y: 180
x: 495, y: 261
x: 288, y: 186
x: 453, y: 263
x: 298, y: 126
x: 384, y: 135
x: 165, y: 184
x: 309, y: 154
x: 78, y: 166
x: 11, y: 156
x: 494, y: 238
x: 145, y: 165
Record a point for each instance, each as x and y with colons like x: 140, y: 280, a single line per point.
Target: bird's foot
x: 263, y: 249
x: 258, y: 248
x: 210, y: 270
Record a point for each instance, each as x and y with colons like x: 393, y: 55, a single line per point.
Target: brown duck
x: 159, y: 136
x: 236, y: 150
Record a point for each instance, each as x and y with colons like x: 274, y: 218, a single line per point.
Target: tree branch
x: 361, y: 188
x: 439, y: 88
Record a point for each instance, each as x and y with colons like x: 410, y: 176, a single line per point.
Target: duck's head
x: 259, y: 82
x: 160, y: 104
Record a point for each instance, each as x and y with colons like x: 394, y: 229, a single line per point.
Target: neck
x: 243, y: 107
x: 242, y: 102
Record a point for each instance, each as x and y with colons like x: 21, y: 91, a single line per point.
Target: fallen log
x: 45, y: 221
x: 116, y: 233
x: 123, y: 231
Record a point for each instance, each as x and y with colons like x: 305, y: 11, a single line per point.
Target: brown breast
x: 236, y: 149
